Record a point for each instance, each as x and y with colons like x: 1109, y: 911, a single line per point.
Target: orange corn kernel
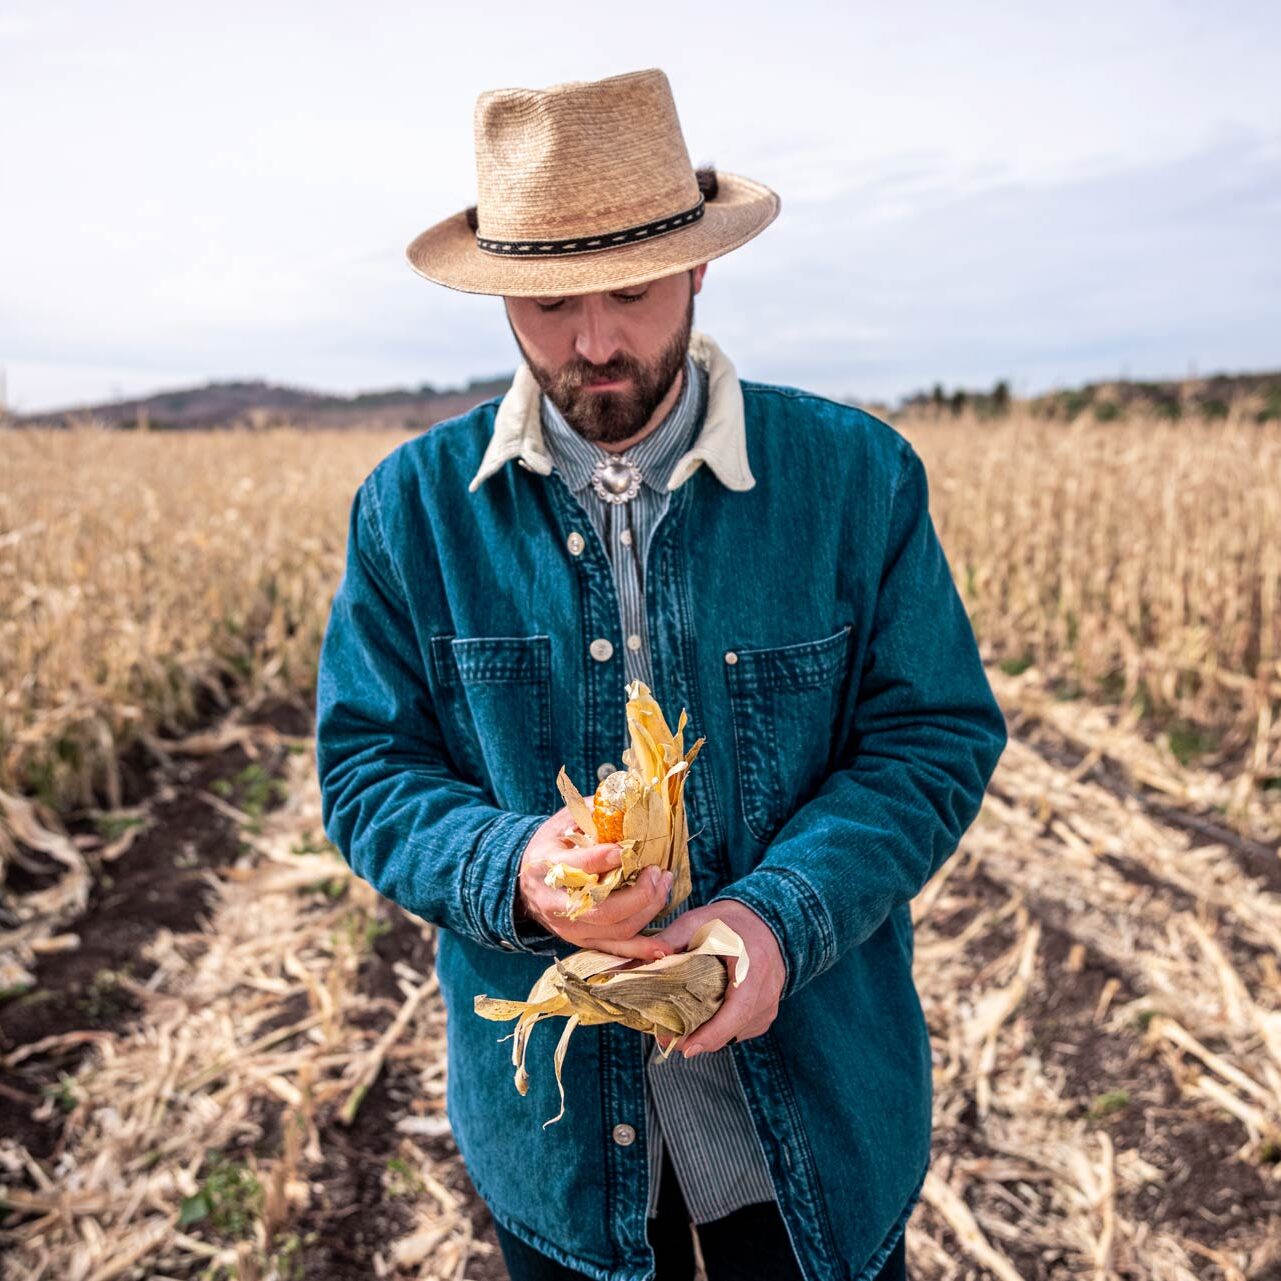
x: 609, y: 821
x: 608, y: 804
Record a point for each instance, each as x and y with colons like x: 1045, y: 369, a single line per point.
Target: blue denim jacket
x: 811, y: 628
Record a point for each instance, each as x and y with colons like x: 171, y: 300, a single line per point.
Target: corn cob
x: 673, y: 995
x: 641, y: 809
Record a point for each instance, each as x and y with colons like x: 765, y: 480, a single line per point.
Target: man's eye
x: 556, y: 306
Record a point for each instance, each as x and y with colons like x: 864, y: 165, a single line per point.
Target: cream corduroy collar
x: 721, y: 441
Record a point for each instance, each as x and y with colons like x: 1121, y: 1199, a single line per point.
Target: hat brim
x: 447, y: 253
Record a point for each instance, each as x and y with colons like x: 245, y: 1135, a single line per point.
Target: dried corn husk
x: 654, y: 825
x: 673, y: 995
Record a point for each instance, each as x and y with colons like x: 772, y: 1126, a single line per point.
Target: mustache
x: 581, y: 375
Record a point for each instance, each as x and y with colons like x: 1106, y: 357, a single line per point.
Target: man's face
x: 632, y: 342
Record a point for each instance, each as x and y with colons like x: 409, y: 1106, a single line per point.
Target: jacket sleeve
x: 928, y: 735
x: 422, y: 836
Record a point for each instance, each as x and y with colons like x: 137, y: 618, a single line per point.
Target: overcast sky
x: 969, y: 192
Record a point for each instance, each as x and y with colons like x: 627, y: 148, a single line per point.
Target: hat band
x: 581, y: 245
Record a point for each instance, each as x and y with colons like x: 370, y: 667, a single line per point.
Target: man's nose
x: 597, y: 340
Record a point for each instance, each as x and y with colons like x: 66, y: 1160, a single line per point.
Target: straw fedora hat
x: 583, y: 187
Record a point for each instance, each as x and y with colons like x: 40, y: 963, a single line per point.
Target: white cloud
x: 968, y: 192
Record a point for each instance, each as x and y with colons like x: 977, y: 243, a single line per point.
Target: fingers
x: 682, y: 929
x: 628, y: 925
x: 557, y: 828
x: 746, y: 1033
x: 619, y: 907
x: 641, y: 948
x: 643, y: 899
x: 593, y: 858
x: 735, y: 1014
x: 616, y: 918
x: 679, y: 932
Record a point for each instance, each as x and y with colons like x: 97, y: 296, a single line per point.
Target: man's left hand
x: 749, y: 1007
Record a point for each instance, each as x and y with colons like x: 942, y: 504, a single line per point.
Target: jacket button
x: 604, y: 771
x: 623, y: 1135
x: 503, y: 943
x: 730, y: 657
x: 575, y: 542
x: 601, y: 649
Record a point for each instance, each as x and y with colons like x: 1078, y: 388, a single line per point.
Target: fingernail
x: 668, y: 878
x: 692, y: 1050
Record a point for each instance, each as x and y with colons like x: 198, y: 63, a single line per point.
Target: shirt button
x: 623, y: 1135
x: 574, y: 542
x: 601, y: 649
x: 730, y: 657
x: 625, y: 538
x: 604, y: 771
x: 633, y: 641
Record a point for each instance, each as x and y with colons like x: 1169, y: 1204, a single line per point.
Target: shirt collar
x: 655, y: 455
x: 721, y: 441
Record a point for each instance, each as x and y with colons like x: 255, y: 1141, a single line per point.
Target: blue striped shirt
x: 696, y: 1106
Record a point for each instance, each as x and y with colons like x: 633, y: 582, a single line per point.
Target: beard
x: 607, y: 417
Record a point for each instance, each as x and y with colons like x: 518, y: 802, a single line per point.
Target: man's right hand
x: 611, y: 925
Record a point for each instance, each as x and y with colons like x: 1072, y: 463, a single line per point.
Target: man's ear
x: 697, y: 274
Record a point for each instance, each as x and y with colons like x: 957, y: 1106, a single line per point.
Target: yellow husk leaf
x: 673, y: 995
x: 655, y: 830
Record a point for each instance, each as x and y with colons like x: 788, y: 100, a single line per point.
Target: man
x: 762, y: 557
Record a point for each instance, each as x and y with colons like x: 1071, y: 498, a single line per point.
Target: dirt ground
x: 227, y: 1060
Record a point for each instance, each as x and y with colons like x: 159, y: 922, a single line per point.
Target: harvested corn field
x: 149, y: 579
x: 223, y: 1056
x: 1139, y: 567
x: 233, y: 1057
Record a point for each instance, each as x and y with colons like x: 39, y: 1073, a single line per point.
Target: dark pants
x: 751, y: 1244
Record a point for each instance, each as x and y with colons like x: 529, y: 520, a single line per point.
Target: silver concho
x: 616, y: 481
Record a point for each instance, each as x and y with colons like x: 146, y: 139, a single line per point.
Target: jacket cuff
x: 491, y: 889
x: 795, y: 914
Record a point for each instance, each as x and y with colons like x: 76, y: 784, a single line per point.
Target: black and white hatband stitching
x: 583, y: 245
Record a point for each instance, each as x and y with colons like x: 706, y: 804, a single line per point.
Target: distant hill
x: 261, y: 405
x: 1256, y: 395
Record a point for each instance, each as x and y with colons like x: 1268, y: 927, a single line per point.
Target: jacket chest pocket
x: 496, y: 715
x: 783, y: 703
